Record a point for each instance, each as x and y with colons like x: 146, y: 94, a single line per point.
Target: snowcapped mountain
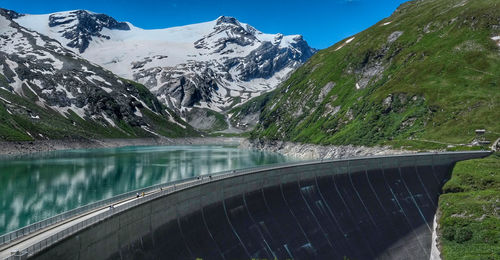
x: 47, y: 91
x: 214, y: 65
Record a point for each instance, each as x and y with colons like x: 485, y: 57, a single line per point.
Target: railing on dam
x: 161, y: 190
x: 35, y: 227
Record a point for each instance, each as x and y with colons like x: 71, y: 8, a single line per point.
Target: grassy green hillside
x: 17, y: 122
x: 469, y: 208
x: 427, y: 76
x: 424, y: 78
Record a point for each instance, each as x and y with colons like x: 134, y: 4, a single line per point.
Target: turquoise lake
x: 38, y: 186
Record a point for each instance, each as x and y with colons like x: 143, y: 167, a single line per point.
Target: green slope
x: 18, y: 124
x: 470, y: 220
x: 424, y: 78
x: 430, y: 87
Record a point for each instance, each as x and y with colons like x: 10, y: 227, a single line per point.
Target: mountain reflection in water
x: 38, y: 186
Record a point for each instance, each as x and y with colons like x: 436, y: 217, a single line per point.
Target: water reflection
x: 35, y: 187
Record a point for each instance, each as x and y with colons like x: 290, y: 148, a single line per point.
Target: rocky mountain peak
x: 227, y: 20
x: 9, y: 13
x: 227, y: 30
x: 80, y: 26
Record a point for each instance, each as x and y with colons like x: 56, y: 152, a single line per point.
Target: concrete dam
x: 361, y: 208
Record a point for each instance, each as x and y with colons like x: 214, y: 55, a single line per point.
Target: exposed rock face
x: 11, y: 14
x: 213, y: 65
x: 234, y: 33
x: 81, y: 26
x: 311, y: 151
x: 324, y: 91
x: 394, y: 36
x: 375, y: 63
x: 246, y: 121
x: 205, y: 119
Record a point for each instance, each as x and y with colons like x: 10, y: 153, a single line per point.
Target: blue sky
x: 322, y: 22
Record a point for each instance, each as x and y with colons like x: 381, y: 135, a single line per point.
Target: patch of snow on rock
x: 138, y: 112
x: 149, y: 130
x: 17, y: 84
x: 5, y: 100
x: 98, y: 78
x: 461, y: 3
x: 109, y: 120
x: 497, y: 40
x: 80, y: 111
x: 108, y: 90
x: 172, y: 120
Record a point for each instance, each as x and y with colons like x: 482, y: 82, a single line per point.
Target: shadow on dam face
x: 372, y: 208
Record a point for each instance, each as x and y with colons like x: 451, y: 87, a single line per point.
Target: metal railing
x: 32, y: 228
x: 165, y: 189
x: 35, y: 227
x: 161, y: 190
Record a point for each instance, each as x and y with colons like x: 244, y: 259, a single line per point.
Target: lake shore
x: 27, y: 147
x: 297, y: 150
x: 306, y: 151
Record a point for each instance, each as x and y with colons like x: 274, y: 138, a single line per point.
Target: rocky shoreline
x: 27, y: 147
x: 297, y: 150
x: 312, y: 151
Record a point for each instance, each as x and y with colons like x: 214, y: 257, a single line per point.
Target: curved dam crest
x: 363, y: 208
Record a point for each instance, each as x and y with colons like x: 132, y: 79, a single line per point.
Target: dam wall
x: 363, y: 208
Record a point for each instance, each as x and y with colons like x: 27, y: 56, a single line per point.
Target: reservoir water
x: 38, y: 186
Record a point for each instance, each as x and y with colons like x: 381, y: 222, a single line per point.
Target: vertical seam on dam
x: 425, y: 188
x: 434, y: 172
x: 359, y: 197
x: 257, y: 227
x: 385, y: 211
x: 118, y: 237
x: 182, y: 233
x: 234, y: 231
x: 293, y: 215
x: 367, y: 243
x: 331, y: 212
x: 315, y: 218
x: 210, y: 233
x: 274, y: 218
x: 413, y: 200
x: 151, y: 225
x: 404, y: 214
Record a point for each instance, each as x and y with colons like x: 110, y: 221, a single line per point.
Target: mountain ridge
x: 419, y: 78
x: 213, y: 65
x: 48, y: 92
